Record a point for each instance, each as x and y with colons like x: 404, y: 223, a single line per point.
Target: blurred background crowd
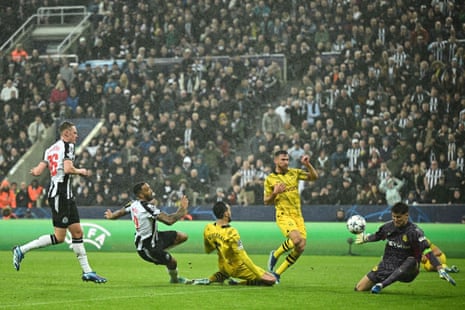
x: 373, y: 90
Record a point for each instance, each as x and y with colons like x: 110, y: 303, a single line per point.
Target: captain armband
x: 426, y: 251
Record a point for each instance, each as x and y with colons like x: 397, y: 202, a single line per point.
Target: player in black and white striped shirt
x: 59, y: 159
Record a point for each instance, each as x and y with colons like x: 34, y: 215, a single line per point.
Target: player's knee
x: 299, y: 245
x: 181, y: 237
x: 410, y: 263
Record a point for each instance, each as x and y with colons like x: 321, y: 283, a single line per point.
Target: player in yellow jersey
x: 441, y: 256
x: 233, y: 260
x: 282, y: 190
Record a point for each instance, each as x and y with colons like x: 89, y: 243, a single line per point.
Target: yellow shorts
x: 429, y: 267
x: 288, y: 223
x: 240, y: 271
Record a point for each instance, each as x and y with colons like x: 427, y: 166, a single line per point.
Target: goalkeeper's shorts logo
x: 92, y: 234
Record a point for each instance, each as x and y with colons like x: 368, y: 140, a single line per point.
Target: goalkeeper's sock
x: 80, y: 251
x: 284, y: 247
x: 290, y: 260
x: 40, y: 242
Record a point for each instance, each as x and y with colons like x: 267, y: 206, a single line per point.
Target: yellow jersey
x: 288, y: 201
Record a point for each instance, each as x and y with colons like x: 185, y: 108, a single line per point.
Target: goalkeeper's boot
x: 277, y: 277
x: 445, y: 276
x: 18, y: 256
x: 93, y: 276
x: 203, y: 281
x: 376, y: 289
x: 271, y: 261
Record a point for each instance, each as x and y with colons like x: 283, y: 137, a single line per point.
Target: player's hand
x: 361, y: 238
x: 445, y: 276
x: 108, y: 214
x: 184, y: 202
x: 305, y: 159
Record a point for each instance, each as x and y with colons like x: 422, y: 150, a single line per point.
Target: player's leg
x: 249, y: 277
x: 365, y: 284
x: 77, y: 242
x: 286, y: 224
x: 376, y: 275
x: 44, y: 240
x: 180, y: 238
x: 406, y: 272
x: 297, y: 233
x: 166, y: 240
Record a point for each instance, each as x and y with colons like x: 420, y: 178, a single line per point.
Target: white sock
x: 80, y: 250
x: 40, y: 242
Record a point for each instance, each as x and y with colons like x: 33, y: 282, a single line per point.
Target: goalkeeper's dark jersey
x: 401, y: 242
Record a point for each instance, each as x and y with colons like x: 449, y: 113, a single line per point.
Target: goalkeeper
x: 233, y: 260
x: 406, y: 244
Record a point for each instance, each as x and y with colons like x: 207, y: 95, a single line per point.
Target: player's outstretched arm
x: 170, y: 219
x: 109, y: 215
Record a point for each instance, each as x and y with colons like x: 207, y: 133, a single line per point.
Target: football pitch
x: 51, y: 280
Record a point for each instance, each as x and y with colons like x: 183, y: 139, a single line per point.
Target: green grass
x: 51, y: 280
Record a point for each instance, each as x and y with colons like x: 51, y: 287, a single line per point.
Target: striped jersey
x: 55, y: 157
x: 144, y: 218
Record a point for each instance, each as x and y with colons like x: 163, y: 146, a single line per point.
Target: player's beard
x: 229, y: 219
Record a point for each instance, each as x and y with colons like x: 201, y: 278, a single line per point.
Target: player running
x: 59, y: 159
x: 282, y: 190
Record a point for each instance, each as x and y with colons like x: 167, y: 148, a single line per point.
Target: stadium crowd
x: 373, y: 90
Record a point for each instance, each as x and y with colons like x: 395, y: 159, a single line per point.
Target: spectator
x: 22, y: 196
x: 391, y: 188
x: 35, y: 191
x: 9, y: 91
x: 36, y: 130
x: 19, y: 55
x: 7, y: 195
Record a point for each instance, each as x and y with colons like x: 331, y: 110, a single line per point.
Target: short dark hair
x: 65, y: 125
x: 137, y: 188
x: 280, y: 152
x: 219, y: 209
x: 399, y: 208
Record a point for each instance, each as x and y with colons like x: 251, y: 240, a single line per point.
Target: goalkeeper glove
x: 445, y: 276
x: 361, y: 238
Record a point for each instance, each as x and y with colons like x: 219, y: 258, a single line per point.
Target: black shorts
x: 157, y: 254
x: 385, y: 269
x: 64, y: 211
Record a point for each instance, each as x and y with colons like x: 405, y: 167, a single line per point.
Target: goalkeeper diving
x: 406, y: 245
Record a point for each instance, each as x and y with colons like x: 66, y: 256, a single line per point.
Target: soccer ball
x: 356, y: 224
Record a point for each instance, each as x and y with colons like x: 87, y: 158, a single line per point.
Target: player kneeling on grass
x: 233, y: 260
x: 405, y: 246
x: 152, y: 244
x: 441, y: 256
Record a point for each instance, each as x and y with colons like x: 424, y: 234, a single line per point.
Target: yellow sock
x: 290, y: 260
x: 284, y: 247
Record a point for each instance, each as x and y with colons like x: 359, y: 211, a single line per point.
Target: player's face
x: 282, y: 162
x: 399, y: 219
x: 70, y: 135
x: 147, y: 192
x: 227, y: 214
